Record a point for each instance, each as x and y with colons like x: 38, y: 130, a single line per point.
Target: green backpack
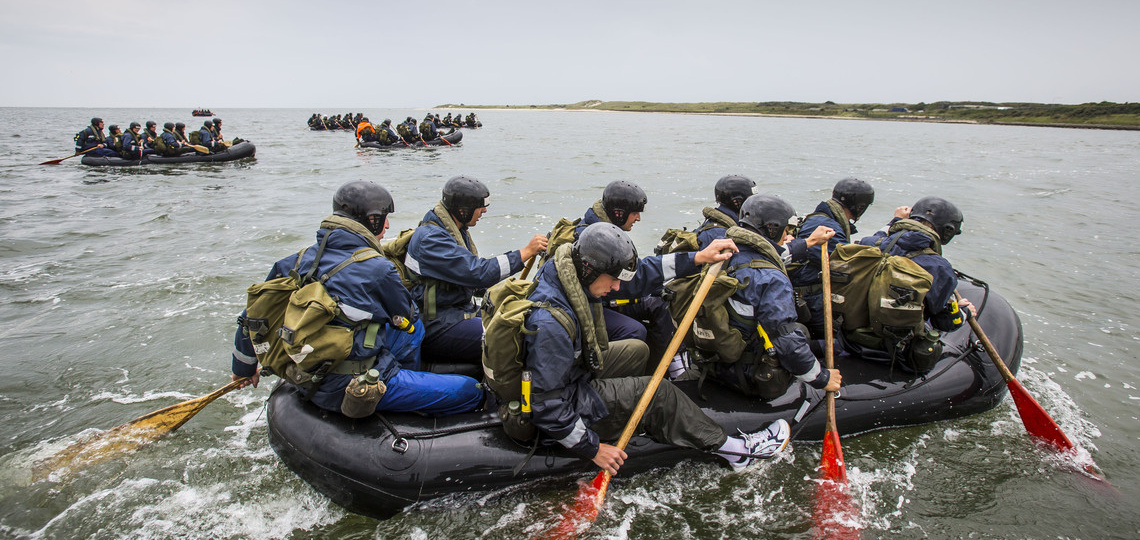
x: 717, y: 346
x: 287, y: 319
x: 504, y: 311
x: 395, y: 251
x: 675, y: 240
x: 879, y: 300
x: 562, y: 233
x: 195, y: 137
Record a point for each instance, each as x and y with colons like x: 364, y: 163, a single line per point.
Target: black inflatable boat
x: 445, y: 140
x: 377, y: 466
x: 241, y: 150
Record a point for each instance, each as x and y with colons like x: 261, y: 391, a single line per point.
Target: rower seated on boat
x: 374, y: 306
x: 763, y: 346
x: 585, y: 389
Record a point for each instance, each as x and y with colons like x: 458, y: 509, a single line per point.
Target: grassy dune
x: 1103, y: 115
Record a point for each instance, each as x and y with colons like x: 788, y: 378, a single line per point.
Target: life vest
x: 364, y: 128
x: 288, y: 318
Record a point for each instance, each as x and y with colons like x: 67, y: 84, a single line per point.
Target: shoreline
x: 902, y: 118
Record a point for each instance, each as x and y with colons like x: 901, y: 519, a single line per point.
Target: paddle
x: 60, y: 160
x: 832, y: 498
x: 529, y: 264
x: 127, y: 437
x: 1037, y: 422
x: 590, y: 497
x: 199, y: 148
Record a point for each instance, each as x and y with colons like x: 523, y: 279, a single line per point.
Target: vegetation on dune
x: 1105, y: 114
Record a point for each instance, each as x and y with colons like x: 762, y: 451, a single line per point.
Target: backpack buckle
x: 286, y: 334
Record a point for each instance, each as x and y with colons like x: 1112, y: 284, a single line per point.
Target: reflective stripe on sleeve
x: 811, y: 374
x: 668, y: 267
x: 741, y: 308
x: 250, y: 360
x: 354, y: 314
x: 504, y: 266
x: 412, y: 263
x: 576, y: 435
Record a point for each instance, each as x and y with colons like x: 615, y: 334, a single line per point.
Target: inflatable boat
x: 445, y: 140
x: 378, y: 465
x: 241, y: 150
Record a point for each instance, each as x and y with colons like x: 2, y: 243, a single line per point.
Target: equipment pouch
x: 311, y: 339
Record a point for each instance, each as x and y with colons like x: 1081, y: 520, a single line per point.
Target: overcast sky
x: 337, y: 54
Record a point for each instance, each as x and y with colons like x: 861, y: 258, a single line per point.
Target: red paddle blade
x: 1038, y: 422
x: 834, y: 512
x: 833, y: 467
x: 584, y: 511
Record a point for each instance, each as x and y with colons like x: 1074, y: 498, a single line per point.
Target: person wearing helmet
x: 410, y: 133
x: 729, y: 192
x: 91, y: 140
x: 385, y: 134
x: 766, y: 299
x: 365, y: 132
x: 149, y: 134
x: 583, y: 391
x: 209, y: 139
x: 429, y: 129
x: 168, y: 144
x: 444, y: 257
x: 368, y: 291
x: 180, y: 133
x: 115, y: 140
x: 134, y: 142
x: 850, y: 198
x: 645, y: 318
x: 218, y: 133
x: 919, y: 232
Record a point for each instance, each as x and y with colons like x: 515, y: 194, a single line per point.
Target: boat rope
x: 400, y: 441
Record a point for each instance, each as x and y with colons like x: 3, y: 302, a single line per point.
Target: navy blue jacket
x: 564, y: 405
x: 712, y: 230
x: 809, y: 273
x: 132, y: 143
x: 368, y: 290
x: 767, y: 299
x: 169, y: 139
x: 434, y: 253
x: 89, y: 138
x: 943, y: 282
x: 207, y: 135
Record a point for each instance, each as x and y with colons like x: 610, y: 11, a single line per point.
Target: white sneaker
x: 678, y: 366
x: 764, y: 444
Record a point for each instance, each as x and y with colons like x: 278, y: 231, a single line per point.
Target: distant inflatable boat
x: 241, y: 150
x: 202, y: 112
x: 450, y: 138
x: 377, y: 467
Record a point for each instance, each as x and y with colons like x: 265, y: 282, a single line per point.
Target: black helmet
x: 207, y: 124
x: 217, y: 121
x: 168, y: 125
x: 854, y: 194
x: 941, y: 214
x: 179, y: 125
x: 113, y: 128
x: 366, y: 202
x: 463, y: 195
x: 150, y: 124
x: 428, y: 117
x: 96, y: 121
x: 767, y: 215
x: 620, y: 198
x: 386, y: 122
x: 603, y: 248
x: 133, y: 125
x: 733, y: 189
x: 409, y: 120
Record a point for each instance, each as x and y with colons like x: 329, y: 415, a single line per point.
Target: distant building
x: 900, y: 109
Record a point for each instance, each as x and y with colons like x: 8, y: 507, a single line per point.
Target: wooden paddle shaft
x: 674, y: 344
x: 829, y: 339
x: 989, y: 347
x: 529, y: 265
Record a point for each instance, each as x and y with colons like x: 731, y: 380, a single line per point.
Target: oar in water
x: 60, y: 160
x: 127, y: 437
x: 833, y: 507
x: 1037, y: 422
x: 591, y: 497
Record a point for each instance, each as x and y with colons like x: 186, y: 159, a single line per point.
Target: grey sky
x: 334, y: 54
